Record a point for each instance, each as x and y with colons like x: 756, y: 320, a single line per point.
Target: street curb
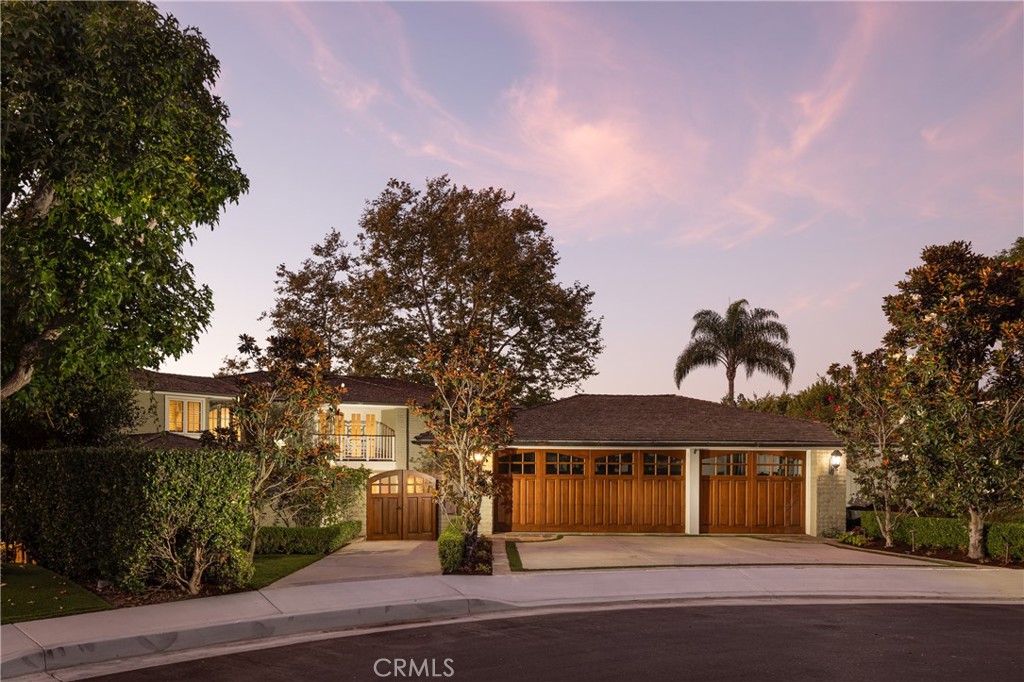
x: 29, y: 657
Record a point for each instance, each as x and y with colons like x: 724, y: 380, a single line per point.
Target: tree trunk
x: 976, y: 550
x: 21, y: 375
x: 730, y: 375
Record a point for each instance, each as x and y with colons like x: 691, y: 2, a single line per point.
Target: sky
x: 683, y: 155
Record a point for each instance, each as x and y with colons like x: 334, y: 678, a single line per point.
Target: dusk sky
x: 798, y: 155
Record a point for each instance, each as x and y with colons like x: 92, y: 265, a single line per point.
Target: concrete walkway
x: 152, y: 632
x: 363, y: 560
x: 608, y: 551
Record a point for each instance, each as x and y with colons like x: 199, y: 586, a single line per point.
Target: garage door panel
x: 662, y: 504
x: 752, y: 492
x: 614, y: 505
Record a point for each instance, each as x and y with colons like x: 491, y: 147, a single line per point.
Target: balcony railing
x: 362, y: 448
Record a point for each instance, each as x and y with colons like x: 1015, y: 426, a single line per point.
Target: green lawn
x: 272, y: 567
x: 29, y: 592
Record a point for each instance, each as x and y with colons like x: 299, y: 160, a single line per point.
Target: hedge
x: 132, y: 516
x: 451, y: 547
x: 305, y: 539
x: 1000, y: 538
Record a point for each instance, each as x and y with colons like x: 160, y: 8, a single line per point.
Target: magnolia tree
x: 282, y: 389
x: 872, y: 423
x: 469, y: 418
x: 958, y: 331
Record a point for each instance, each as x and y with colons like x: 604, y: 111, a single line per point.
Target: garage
x: 400, y: 506
x: 752, y: 491
x: 599, y: 491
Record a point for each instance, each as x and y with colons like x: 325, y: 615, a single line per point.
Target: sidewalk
x: 57, y: 643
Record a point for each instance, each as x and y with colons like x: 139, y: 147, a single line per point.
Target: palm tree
x: 754, y: 339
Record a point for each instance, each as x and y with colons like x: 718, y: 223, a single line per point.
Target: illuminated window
x: 185, y: 416
x: 176, y: 416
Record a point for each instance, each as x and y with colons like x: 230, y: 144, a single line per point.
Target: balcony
x: 351, y: 447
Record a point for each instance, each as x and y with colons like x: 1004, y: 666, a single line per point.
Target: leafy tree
x: 113, y: 150
x: 78, y: 410
x: 957, y: 324
x: 818, y: 402
x: 469, y: 419
x: 432, y: 266
x: 282, y: 389
x: 753, y: 339
x: 314, y: 296
x: 871, y: 420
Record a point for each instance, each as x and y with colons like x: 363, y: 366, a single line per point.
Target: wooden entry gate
x: 626, y: 491
x: 752, y: 492
x: 400, y: 505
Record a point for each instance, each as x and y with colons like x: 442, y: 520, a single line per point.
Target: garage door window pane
x: 658, y: 464
x: 732, y: 464
x: 517, y: 463
x: 561, y: 464
x: 620, y: 464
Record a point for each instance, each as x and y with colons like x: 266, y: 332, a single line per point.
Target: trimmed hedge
x: 305, y: 539
x: 1000, y: 538
x: 451, y: 547
x: 133, y: 516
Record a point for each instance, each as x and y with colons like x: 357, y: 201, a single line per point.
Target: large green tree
x: 957, y: 325
x: 113, y: 149
x: 753, y: 339
x: 430, y: 267
x: 314, y: 296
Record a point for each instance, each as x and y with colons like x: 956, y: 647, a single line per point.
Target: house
x: 587, y: 463
x: 371, y: 429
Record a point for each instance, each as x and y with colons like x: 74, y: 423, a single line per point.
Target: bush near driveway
x: 305, y: 539
x: 1001, y: 538
x: 136, y: 517
x: 451, y: 547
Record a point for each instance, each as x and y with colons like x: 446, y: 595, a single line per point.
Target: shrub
x: 133, y: 516
x: 305, y: 539
x: 1001, y: 539
x: 451, y: 547
x: 857, y: 539
x: 1005, y: 540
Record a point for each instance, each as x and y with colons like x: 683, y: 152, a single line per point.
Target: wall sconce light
x: 478, y: 457
x: 834, y: 461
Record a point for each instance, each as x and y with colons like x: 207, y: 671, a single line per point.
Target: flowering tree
x: 957, y: 325
x: 871, y: 421
x: 469, y: 418
x: 282, y: 389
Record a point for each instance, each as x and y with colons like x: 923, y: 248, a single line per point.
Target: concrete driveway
x: 607, y: 551
x: 364, y: 560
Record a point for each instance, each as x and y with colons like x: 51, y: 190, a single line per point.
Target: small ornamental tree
x: 469, y: 418
x: 282, y: 389
x: 957, y: 321
x: 871, y: 421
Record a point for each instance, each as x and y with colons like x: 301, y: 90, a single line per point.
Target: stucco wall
x: 151, y: 410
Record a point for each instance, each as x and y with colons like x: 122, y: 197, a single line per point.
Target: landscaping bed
x: 942, y: 554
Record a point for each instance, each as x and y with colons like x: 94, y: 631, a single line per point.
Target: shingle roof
x: 669, y: 419
x: 183, y: 383
x: 368, y: 390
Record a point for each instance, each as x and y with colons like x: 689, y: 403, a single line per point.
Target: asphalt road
x: 873, y: 643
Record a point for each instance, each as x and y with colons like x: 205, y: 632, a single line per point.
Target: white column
x: 692, y: 516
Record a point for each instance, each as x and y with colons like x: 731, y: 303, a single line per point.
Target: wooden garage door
x: 400, y: 505
x: 752, y: 492
x: 591, y: 491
